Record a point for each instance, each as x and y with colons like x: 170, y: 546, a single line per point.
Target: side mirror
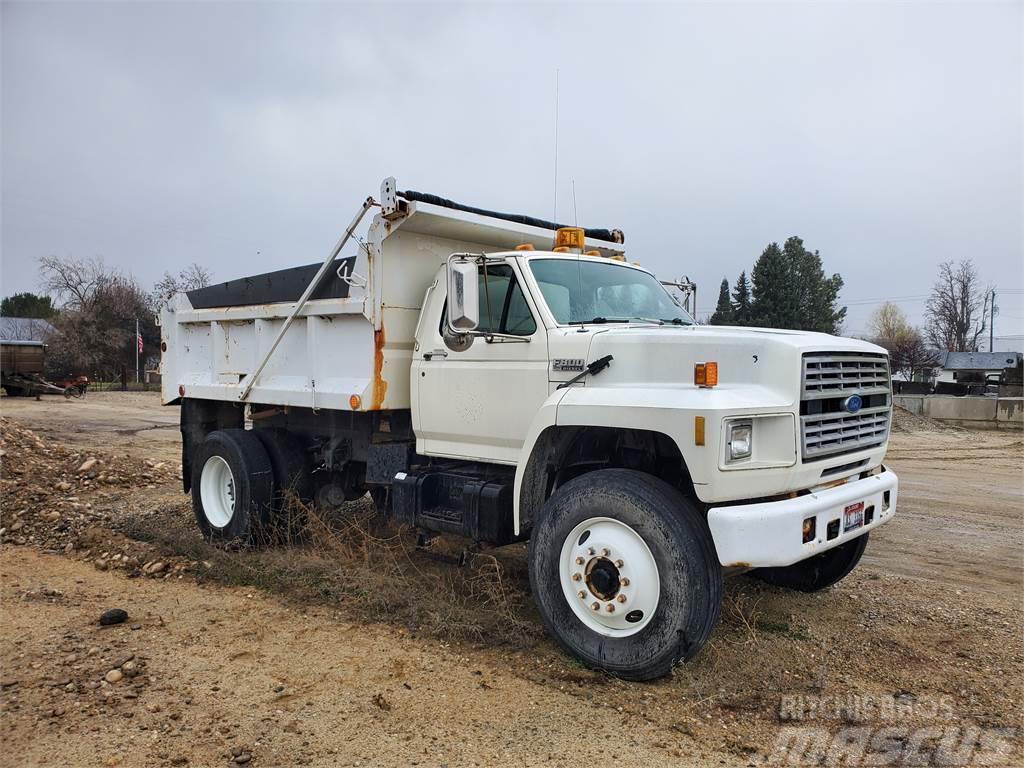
x: 463, y: 294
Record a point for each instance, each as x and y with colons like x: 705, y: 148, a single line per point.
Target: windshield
x: 583, y: 291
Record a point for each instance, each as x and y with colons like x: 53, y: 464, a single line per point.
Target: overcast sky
x: 243, y: 136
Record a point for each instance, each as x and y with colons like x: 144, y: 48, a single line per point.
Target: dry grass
x: 372, y: 572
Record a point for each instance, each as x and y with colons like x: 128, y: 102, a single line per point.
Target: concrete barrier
x: 979, y: 412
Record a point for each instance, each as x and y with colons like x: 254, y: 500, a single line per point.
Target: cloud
x: 243, y: 136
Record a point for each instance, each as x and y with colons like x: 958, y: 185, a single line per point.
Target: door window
x: 503, y: 307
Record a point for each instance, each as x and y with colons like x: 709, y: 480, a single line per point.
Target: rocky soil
x: 349, y: 647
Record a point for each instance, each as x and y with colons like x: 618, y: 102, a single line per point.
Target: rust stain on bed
x: 380, y: 386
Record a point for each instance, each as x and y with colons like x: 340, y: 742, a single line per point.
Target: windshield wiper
x: 677, y: 321
x: 600, y: 320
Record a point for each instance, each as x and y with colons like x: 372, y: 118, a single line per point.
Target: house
x: 974, y: 369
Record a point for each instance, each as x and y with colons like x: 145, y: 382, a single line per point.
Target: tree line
x: 787, y: 288
x: 93, y: 308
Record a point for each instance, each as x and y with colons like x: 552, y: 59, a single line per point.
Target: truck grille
x: 830, y: 375
x: 827, y: 428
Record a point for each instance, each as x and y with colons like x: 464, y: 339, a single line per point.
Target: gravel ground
x: 227, y: 667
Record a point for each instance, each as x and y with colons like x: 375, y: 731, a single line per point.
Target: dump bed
x: 350, y: 346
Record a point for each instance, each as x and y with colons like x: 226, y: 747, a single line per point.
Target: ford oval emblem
x: 852, y: 404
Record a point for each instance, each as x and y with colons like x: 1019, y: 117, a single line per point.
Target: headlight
x: 740, y: 440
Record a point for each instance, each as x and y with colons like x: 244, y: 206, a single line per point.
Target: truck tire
x: 624, y: 571
x: 232, y: 487
x: 291, y: 470
x: 818, y: 572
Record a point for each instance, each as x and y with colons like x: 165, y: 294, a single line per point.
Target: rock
x: 63, y: 486
x: 113, y: 616
x: 153, y: 707
x: 120, y: 662
x: 136, y: 627
x: 52, y: 517
x: 236, y: 751
x: 243, y: 758
x: 87, y: 465
x: 113, y: 676
x: 151, y: 569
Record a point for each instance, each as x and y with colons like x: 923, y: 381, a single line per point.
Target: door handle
x: 435, y: 353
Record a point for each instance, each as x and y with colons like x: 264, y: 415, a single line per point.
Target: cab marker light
x: 698, y: 430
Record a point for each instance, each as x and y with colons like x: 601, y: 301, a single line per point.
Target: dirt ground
x: 282, y: 657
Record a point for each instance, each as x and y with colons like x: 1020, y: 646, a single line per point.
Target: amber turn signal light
x: 810, y: 524
x: 354, y: 402
x: 705, y: 374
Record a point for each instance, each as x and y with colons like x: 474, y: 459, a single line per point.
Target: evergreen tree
x: 791, y: 290
x: 27, y: 305
x: 723, y: 312
x: 741, y: 302
x: 773, y: 290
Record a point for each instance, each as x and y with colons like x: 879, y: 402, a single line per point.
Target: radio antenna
x: 554, y: 211
x: 575, y: 216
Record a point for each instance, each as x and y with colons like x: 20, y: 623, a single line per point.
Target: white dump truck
x: 503, y: 379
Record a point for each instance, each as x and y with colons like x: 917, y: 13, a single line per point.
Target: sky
x: 243, y: 136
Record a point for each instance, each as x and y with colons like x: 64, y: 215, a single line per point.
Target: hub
x: 603, y: 578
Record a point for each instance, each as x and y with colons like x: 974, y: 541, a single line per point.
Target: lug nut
x: 581, y: 594
x: 621, y: 598
x: 610, y: 608
x: 577, y: 576
x: 595, y: 606
x: 624, y: 582
x: 590, y: 551
x: 580, y: 561
x: 606, y: 552
x: 619, y: 563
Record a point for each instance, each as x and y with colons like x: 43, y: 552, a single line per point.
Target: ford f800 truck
x: 503, y: 379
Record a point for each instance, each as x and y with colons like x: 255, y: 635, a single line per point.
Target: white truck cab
x: 504, y: 379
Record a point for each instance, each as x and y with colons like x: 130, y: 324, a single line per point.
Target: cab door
x: 479, y: 403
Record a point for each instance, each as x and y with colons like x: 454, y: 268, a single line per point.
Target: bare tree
x: 96, y: 323
x: 955, y: 310
x: 911, y: 356
x: 191, y: 277
x: 888, y: 324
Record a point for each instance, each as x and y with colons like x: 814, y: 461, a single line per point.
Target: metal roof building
x: 24, y: 329
x: 980, y: 361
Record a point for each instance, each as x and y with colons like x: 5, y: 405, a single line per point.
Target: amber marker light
x: 705, y: 374
x: 354, y: 402
x: 698, y: 430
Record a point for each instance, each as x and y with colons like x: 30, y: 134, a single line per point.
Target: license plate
x: 853, y: 516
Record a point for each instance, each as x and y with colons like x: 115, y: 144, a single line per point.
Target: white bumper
x: 770, y: 533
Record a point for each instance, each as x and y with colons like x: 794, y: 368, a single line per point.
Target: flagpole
x: 136, y: 350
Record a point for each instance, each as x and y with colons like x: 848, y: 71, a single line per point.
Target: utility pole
x: 992, y: 321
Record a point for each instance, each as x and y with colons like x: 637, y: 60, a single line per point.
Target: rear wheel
x: 624, y: 572
x: 818, y: 572
x: 232, y: 487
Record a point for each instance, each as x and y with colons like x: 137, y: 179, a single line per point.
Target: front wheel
x: 624, y: 571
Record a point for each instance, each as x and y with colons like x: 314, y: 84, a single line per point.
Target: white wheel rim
x: 217, y: 491
x: 610, y: 578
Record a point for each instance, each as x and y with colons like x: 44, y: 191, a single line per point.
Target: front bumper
x: 770, y: 534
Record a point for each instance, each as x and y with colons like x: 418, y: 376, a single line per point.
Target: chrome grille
x: 830, y: 434
x: 829, y: 378
x: 833, y: 374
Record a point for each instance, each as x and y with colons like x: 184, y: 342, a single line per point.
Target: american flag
x: 138, y: 340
